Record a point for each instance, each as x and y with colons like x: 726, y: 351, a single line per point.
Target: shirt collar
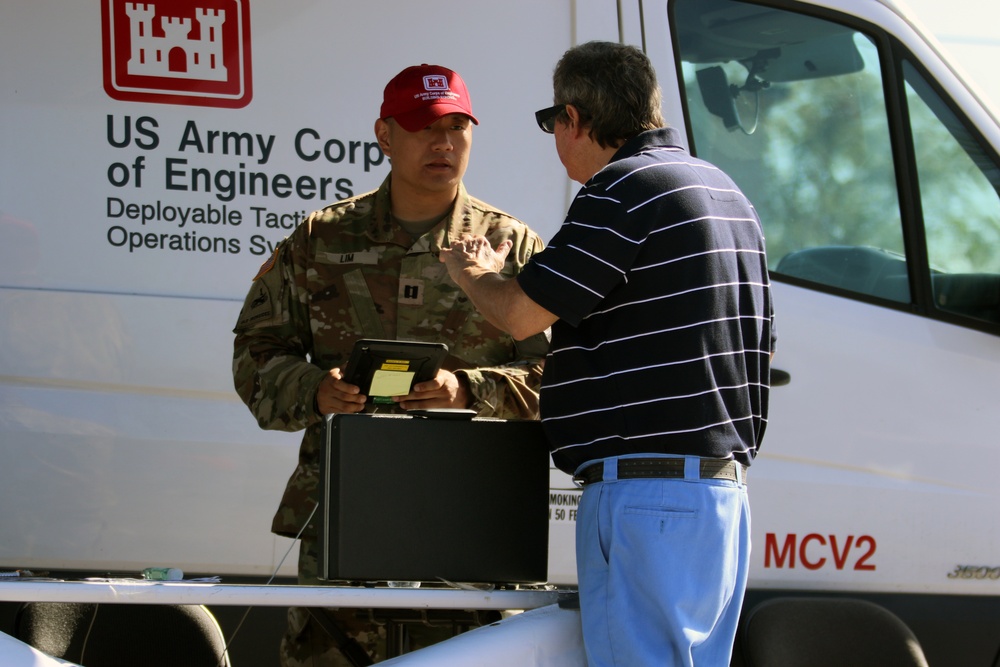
x: 669, y: 137
x: 382, y: 229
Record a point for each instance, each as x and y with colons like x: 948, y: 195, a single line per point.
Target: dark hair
x: 613, y: 86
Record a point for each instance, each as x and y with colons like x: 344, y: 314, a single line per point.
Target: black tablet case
x: 418, y: 499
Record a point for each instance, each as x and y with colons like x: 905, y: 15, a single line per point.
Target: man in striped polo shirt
x: 655, y: 389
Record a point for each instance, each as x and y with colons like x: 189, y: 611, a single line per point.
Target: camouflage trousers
x: 307, y: 644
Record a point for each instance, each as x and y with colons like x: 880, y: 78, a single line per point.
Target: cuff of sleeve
x: 312, y: 389
x: 476, y: 382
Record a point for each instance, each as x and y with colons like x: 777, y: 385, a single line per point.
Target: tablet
x: 387, y: 368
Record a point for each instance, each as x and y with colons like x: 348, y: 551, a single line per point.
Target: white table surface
x: 137, y: 591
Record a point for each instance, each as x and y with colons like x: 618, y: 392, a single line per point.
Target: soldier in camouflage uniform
x: 368, y: 267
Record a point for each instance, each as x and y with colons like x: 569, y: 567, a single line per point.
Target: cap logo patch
x: 435, y: 83
x: 436, y: 88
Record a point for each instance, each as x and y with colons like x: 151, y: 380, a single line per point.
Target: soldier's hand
x: 446, y: 390
x: 334, y: 396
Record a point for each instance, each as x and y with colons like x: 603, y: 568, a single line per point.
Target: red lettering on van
x: 812, y: 549
x: 787, y: 551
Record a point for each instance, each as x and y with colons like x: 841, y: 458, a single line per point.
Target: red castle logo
x: 178, y: 52
x: 435, y: 82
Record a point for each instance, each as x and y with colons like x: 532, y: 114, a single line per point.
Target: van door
x: 879, y: 199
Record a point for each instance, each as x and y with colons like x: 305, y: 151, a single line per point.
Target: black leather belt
x: 662, y: 468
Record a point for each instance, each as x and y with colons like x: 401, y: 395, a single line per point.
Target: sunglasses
x: 546, y: 118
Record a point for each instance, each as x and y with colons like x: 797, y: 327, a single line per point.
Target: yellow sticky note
x: 391, y: 383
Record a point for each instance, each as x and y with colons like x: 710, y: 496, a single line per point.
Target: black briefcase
x: 428, y: 498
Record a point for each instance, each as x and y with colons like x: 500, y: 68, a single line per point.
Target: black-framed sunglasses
x: 546, y: 118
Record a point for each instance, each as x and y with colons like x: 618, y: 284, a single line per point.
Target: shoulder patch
x: 268, y: 263
x: 256, y: 308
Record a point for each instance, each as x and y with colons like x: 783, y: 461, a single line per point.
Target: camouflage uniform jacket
x: 348, y: 272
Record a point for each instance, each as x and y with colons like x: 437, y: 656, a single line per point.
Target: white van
x: 145, y: 174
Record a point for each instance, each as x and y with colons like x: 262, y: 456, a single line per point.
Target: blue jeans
x: 662, y: 567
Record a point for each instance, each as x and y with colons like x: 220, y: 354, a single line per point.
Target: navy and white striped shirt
x: 659, y: 278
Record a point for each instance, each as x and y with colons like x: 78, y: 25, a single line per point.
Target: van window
x: 794, y: 108
x: 959, y: 186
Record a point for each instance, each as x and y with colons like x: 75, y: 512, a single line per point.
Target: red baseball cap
x: 419, y: 95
